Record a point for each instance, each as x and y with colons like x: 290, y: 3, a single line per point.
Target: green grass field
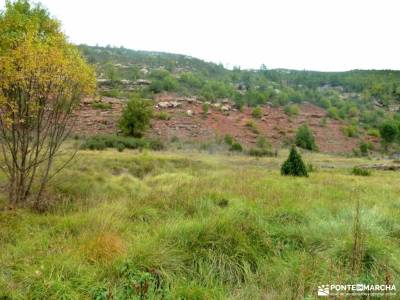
x: 159, y: 225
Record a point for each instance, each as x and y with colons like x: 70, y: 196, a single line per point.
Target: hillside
x: 343, y: 109
x: 278, y: 127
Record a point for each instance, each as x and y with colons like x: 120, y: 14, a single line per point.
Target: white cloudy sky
x: 299, y: 34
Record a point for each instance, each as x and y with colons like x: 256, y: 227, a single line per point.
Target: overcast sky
x: 299, y: 34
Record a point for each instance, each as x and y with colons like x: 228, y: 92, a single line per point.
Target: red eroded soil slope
x: 188, y: 122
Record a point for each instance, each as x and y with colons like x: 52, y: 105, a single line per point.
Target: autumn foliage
x: 42, y: 79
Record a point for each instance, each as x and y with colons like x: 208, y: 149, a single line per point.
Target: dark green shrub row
x: 360, y: 171
x: 259, y: 152
x: 236, y: 146
x: 101, y: 142
x: 101, y: 105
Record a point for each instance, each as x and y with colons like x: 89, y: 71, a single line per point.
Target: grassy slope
x: 200, y: 227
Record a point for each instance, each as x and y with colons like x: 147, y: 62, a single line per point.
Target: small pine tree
x: 294, y: 165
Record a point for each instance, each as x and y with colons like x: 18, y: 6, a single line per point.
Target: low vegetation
x: 101, y: 105
x: 360, y: 171
x: 263, y: 148
x: 257, y: 112
x: 252, y: 126
x: 194, y: 226
x: 236, y: 147
x: 292, y: 110
x: 102, y: 142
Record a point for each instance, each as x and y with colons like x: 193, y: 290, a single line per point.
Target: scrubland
x: 189, y: 225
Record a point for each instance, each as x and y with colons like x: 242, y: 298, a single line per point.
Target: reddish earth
x: 274, y: 124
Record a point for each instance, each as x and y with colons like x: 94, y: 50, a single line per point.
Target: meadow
x: 189, y: 225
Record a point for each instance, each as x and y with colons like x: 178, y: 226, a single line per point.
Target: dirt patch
x: 89, y: 120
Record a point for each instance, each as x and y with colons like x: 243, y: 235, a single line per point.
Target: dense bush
x: 120, y: 147
x: 101, y: 142
x: 136, y: 117
x: 333, y: 113
x: 364, y: 148
x: 236, y: 146
x: 292, y: 110
x: 228, y: 139
x: 388, y: 132
x: 350, y: 131
x: 294, y: 165
x: 259, y: 152
x: 373, y: 132
x: 94, y: 143
x: 360, y: 171
x: 168, y: 83
x: 305, y: 138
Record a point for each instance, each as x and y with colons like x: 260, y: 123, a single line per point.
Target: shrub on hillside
x: 262, y: 142
x: 101, y: 105
x: 333, y: 113
x: 257, y: 112
x: 350, y: 131
x: 292, y: 110
x: 136, y: 117
x: 162, y: 115
x: 373, y: 132
x: 252, y: 126
x: 388, y: 132
x: 205, y: 108
x: 364, y: 148
x: 305, y: 138
x: 228, y: 139
x: 294, y: 165
x: 111, y: 93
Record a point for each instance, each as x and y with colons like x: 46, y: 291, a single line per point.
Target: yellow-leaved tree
x: 42, y: 79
